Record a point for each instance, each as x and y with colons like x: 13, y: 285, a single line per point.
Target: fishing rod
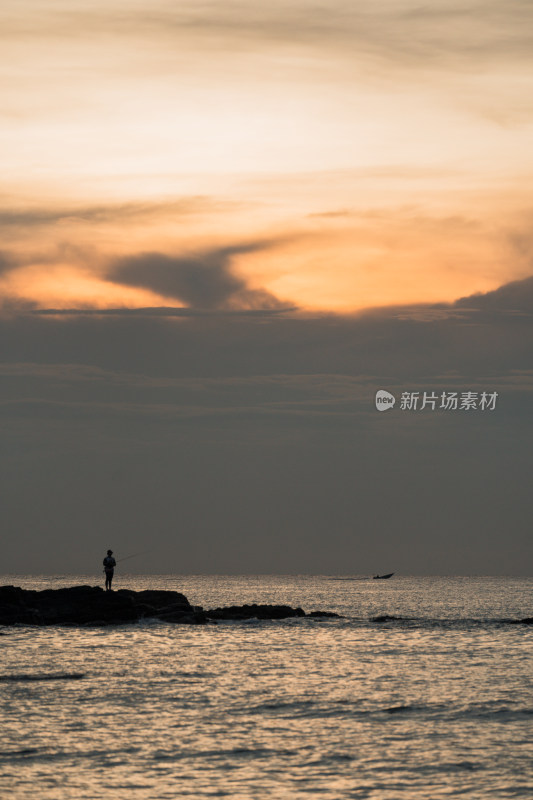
x: 134, y: 555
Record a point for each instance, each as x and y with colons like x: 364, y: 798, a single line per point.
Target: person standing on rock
x: 109, y: 569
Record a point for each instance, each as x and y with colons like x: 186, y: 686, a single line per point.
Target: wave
x: 428, y: 622
x: 366, y: 709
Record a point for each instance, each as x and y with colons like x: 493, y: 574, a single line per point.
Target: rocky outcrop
x: 255, y: 612
x: 91, y: 605
x: 323, y: 614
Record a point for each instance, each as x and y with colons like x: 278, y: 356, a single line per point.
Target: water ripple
x: 420, y: 693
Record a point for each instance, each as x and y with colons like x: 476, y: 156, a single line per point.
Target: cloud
x: 7, y: 263
x: 164, y: 311
x: 513, y: 297
x: 392, y: 342
x: 30, y: 217
x: 204, y: 280
x: 93, y: 391
x: 408, y: 32
x: 259, y: 434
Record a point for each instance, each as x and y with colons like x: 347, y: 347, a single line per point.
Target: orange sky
x: 371, y: 154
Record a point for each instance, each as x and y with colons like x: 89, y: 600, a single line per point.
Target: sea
x: 421, y: 690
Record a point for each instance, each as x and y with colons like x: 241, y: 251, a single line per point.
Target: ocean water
x: 434, y: 704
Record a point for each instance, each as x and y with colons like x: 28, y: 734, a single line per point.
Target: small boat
x: 382, y: 577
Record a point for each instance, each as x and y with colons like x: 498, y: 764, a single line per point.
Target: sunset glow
x: 372, y: 169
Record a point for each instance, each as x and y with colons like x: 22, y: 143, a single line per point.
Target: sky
x: 225, y: 226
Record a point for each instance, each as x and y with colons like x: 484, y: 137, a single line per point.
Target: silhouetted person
x: 109, y: 569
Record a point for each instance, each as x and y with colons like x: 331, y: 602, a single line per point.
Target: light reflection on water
x: 332, y: 708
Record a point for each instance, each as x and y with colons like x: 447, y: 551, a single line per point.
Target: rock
x: 13, y: 608
x: 82, y: 605
x: 157, y: 598
x: 179, y: 612
x: 91, y: 605
x: 323, y: 614
x: 525, y: 621
x: 87, y: 605
x: 195, y: 618
x: 254, y: 611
